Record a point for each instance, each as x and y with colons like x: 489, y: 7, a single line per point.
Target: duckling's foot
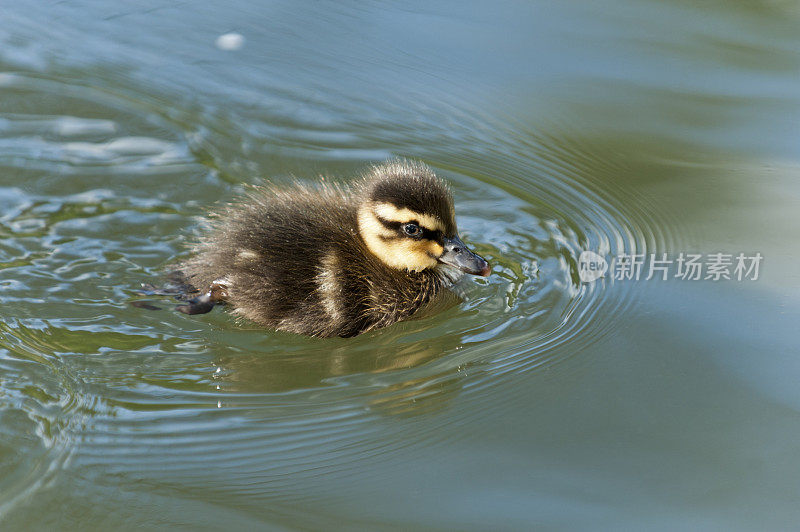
x: 198, y: 305
x: 217, y: 293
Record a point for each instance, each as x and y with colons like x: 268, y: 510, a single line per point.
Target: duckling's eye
x: 411, y: 229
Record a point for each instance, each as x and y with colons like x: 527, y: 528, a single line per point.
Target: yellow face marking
x: 434, y: 248
x: 392, y: 249
x: 389, y: 212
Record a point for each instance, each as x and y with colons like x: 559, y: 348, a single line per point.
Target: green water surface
x: 540, y: 402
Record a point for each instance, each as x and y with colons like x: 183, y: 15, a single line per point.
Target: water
x: 540, y: 401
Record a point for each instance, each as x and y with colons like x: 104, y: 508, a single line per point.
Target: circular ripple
x: 77, y: 211
x: 203, y: 400
x: 297, y: 410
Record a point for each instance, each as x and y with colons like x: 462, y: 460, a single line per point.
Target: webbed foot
x: 198, y: 305
x: 217, y: 293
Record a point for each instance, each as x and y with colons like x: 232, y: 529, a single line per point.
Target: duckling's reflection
x: 417, y: 396
x: 391, y: 367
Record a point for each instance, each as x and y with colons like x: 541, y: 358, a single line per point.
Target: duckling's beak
x: 456, y: 254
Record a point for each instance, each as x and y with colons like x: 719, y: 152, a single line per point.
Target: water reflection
x: 159, y: 381
x: 612, y: 127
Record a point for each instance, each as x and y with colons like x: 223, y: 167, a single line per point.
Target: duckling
x: 333, y: 260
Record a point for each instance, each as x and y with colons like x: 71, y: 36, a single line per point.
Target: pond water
x: 541, y: 401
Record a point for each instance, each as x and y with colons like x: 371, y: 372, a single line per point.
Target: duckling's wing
x: 268, y: 249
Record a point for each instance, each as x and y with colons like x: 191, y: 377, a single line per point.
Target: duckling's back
x: 293, y: 260
x: 331, y: 261
x: 271, y: 253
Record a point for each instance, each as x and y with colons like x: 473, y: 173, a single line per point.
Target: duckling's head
x: 407, y: 220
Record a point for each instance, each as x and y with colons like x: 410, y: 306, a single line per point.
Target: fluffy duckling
x: 333, y: 261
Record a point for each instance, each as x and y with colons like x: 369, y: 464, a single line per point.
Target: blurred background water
x: 539, y: 402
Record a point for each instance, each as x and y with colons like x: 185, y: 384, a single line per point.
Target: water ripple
x: 178, y: 399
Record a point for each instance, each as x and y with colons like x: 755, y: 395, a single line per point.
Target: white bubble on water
x: 230, y: 41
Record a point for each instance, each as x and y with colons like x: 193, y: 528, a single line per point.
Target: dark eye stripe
x: 436, y: 235
x: 389, y: 224
x: 428, y: 234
